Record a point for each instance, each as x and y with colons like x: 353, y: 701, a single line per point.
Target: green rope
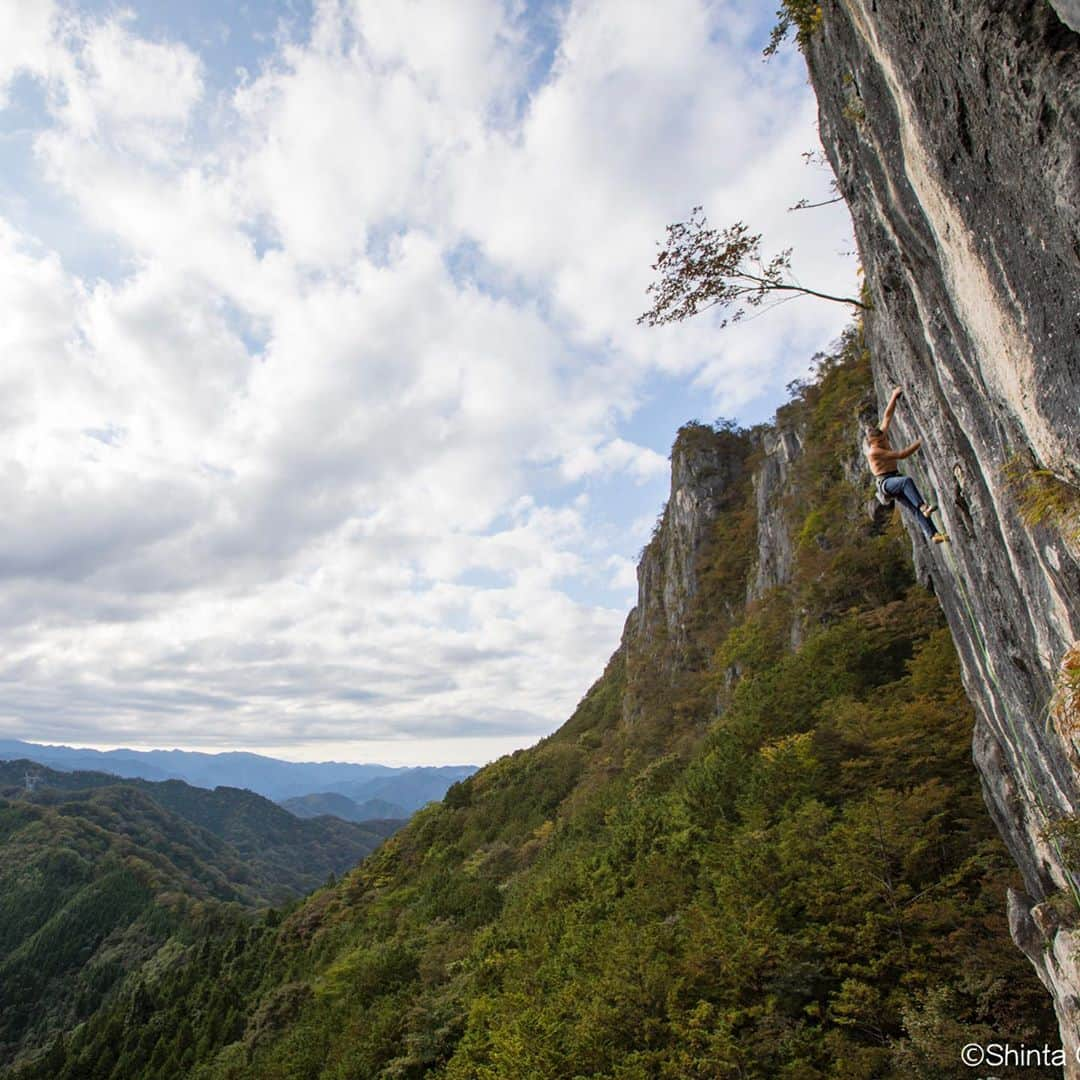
x: 984, y: 649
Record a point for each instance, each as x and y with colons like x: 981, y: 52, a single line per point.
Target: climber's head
x: 874, y: 435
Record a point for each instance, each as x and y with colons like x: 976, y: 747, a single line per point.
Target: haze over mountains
x: 400, y: 789
x: 330, y: 802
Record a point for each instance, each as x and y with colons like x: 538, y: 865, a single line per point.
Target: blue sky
x: 330, y: 428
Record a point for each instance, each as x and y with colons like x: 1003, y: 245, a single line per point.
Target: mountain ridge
x: 273, y: 778
x: 102, y: 878
x: 328, y: 802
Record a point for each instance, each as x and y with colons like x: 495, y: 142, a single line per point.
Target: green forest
x: 758, y: 852
x: 101, y: 878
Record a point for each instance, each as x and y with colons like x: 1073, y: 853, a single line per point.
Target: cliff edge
x: 954, y: 133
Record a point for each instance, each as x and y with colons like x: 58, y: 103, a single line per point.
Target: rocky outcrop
x: 954, y: 132
x: 706, y: 469
x: 780, y: 447
x: 661, y: 643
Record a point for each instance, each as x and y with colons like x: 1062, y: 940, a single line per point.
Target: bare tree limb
x: 701, y: 268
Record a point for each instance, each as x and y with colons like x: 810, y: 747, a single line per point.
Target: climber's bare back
x: 881, y: 456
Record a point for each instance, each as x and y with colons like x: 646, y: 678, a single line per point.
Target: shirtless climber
x: 883, y: 461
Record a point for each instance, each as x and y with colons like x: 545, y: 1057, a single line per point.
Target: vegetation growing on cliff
x: 1065, y: 703
x: 1043, y: 498
x: 804, y: 16
x: 739, y: 858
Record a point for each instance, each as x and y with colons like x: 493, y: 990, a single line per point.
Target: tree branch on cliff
x: 818, y: 160
x: 701, y: 268
x: 806, y: 204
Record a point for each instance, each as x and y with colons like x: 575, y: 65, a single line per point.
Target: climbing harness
x: 881, y: 494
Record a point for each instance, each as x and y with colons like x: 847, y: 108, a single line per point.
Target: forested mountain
x: 757, y: 848
x: 328, y: 802
x: 288, y: 857
x: 100, y: 878
x: 410, y: 789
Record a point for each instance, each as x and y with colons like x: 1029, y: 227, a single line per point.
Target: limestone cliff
x: 709, y: 473
x: 954, y: 133
x: 781, y: 445
x: 705, y: 472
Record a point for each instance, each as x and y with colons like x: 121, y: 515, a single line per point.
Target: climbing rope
x: 980, y: 640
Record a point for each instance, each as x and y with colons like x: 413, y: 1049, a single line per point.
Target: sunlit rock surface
x: 954, y: 132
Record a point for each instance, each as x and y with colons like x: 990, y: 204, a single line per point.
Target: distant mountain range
x: 404, y: 789
x: 410, y: 790
x: 329, y: 802
x: 264, y: 853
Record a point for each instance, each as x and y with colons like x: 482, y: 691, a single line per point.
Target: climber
x: 889, y: 480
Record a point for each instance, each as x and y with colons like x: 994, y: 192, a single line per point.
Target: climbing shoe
x: 926, y: 510
x: 940, y: 538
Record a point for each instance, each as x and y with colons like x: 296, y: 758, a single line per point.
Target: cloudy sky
x: 328, y: 430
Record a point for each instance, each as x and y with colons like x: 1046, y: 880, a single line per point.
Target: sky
x: 328, y: 427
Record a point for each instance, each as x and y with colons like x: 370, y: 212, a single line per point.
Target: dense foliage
x: 268, y: 854
x: 759, y: 852
x: 91, y: 890
x: 99, y: 878
x: 804, y: 16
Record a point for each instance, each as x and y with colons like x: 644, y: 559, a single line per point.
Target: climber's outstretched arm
x: 907, y: 451
x: 890, y: 409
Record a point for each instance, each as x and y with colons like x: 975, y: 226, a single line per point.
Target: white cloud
x: 463, y: 57
x: 125, y: 82
x: 617, y: 454
x: 26, y: 34
x: 310, y: 469
x: 623, y: 573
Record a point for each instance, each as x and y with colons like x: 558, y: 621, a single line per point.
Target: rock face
x: 954, y: 132
x: 776, y: 550
x: 705, y: 472
x: 710, y: 470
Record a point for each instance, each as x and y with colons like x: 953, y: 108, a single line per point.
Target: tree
x: 804, y: 15
x: 702, y: 268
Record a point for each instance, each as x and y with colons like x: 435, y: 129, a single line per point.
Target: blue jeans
x: 904, y: 491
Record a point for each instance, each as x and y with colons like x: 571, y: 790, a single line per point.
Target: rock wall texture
x: 954, y: 131
x: 708, y: 471
x: 780, y: 447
